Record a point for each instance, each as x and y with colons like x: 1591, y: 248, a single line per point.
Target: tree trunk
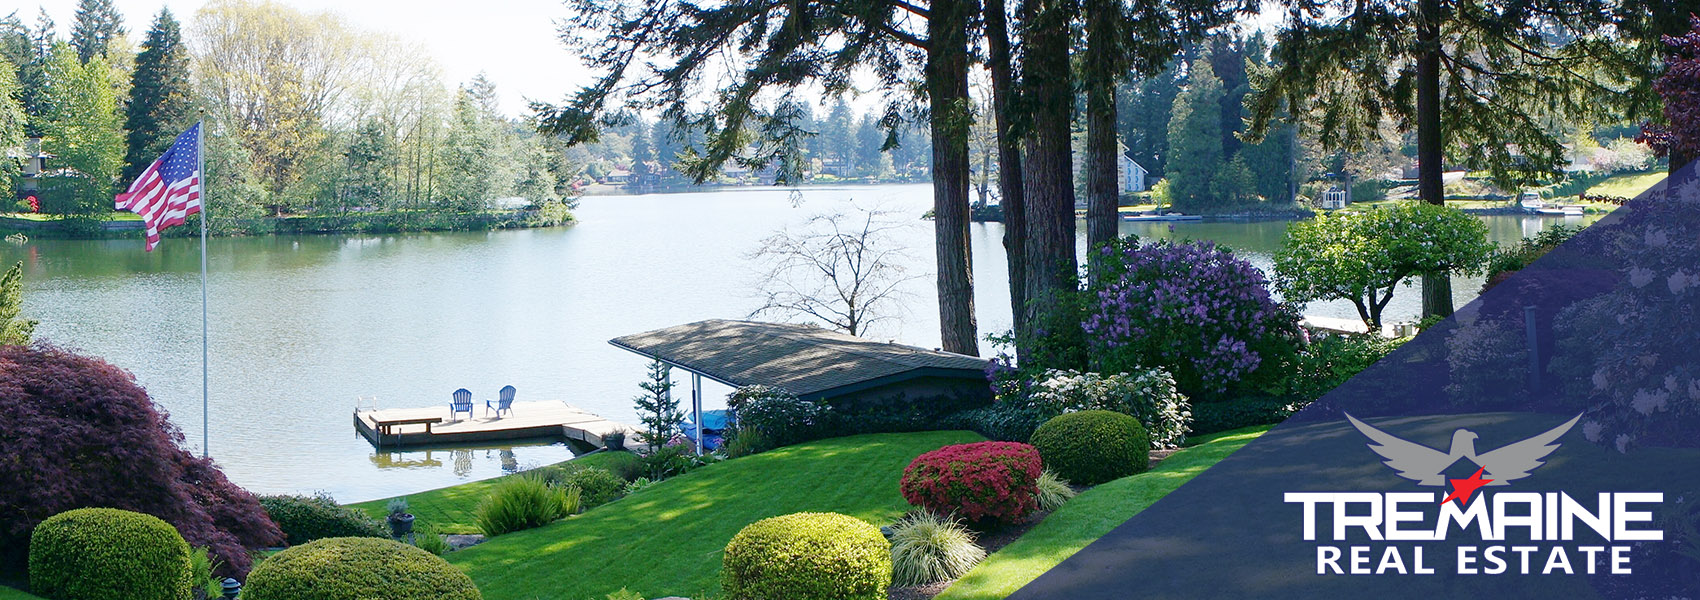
x: 1437, y: 289
x: 1009, y: 161
x: 1101, y: 190
x: 1047, y: 173
x: 947, y: 91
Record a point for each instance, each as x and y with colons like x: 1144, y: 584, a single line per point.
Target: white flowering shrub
x: 1147, y: 395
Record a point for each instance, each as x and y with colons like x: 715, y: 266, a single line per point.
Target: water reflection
x: 465, y: 463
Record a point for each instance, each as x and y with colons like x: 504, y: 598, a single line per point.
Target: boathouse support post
x: 696, y: 407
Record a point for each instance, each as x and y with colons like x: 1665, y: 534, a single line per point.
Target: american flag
x: 170, y: 189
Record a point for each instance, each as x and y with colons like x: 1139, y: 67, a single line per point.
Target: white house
x: 1130, y: 175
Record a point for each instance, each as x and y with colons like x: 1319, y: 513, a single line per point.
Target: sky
x: 512, y: 41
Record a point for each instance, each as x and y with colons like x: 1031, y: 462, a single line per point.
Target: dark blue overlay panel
x: 1574, y: 386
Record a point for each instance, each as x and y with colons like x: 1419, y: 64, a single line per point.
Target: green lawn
x: 450, y: 509
x: 1627, y: 186
x: 1090, y: 516
x: 7, y: 593
x: 667, y: 539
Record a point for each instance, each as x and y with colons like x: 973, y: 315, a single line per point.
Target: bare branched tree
x: 844, y: 269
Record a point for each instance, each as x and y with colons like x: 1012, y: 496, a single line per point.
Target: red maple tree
x: 1679, y: 136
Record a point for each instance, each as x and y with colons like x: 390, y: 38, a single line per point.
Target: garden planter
x: 401, y: 525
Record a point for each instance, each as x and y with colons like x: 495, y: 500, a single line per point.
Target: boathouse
x: 850, y: 374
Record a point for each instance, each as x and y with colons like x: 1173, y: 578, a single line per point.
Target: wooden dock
x: 403, y: 427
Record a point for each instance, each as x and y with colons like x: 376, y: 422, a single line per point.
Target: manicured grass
x: 450, y: 509
x: 7, y: 593
x: 1090, y: 516
x: 667, y: 539
x: 1627, y: 186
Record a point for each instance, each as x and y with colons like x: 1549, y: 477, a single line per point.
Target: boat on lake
x: 1560, y: 211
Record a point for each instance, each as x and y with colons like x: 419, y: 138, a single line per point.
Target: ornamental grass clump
x: 1093, y: 446
x: 982, y: 483
x: 807, y: 556
x: 929, y: 548
x: 1054, y: 491
x: 1192, y: 308
x: 524, y: 502
x: 109, y: 554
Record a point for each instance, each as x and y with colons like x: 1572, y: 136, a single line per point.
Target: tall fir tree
x: 657, y: 409
x: 161, y: 103
x: 1195, y: 139
x: 1142, y: 117
x: 12, y: 125
x: 98, y: 24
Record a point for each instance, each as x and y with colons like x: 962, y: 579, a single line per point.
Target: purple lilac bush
x: 1192, y: 308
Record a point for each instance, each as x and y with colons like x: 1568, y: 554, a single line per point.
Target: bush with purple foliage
x: 1192, y: 308
x: 78, y: 432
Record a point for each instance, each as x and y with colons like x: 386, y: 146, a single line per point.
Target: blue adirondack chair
x: 462, y: 403
x: 504, y: 401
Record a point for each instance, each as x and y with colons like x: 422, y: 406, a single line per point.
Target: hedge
x: 357, y: 568
x: 807, y: 556
x: 108, y: 554
x: 307, y: 518
x: 1093, y: 446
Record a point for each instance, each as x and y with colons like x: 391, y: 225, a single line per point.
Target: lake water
x: 301, y: 326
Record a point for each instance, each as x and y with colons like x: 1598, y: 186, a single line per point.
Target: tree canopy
x: 1364, y: 256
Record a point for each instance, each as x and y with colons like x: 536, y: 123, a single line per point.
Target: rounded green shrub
x: 807, y: 556
x: 1093, y: 446
x: 307, y: 518
x: 108, y: 554
x: 597, y: 486
x: 357, y: 568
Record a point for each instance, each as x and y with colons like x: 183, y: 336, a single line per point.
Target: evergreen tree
x: 1142, y: 117
x: 842, y: 137
x: 870, y: 161
x: 98, y: 24
x: 471, y: 177
x: 82, y: 128
x: 1195, y: 139
x: 14, y: 330
x: 656, y: 408
x: 643, y: 153
x: 28, y: 51
x: 1271, y: 160
x: 161, y: 97
x: 12, y: 125
x: 372, y: 157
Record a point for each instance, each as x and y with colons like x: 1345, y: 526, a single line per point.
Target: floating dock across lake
x: 403, y: 427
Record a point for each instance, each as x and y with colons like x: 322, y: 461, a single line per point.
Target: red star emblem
x: 1463, y: 488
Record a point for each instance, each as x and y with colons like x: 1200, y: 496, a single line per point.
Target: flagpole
x: 201, y: 171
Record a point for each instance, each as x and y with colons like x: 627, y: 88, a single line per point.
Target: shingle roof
x: 807, y: 361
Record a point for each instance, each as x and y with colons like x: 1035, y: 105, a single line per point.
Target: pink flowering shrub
x: 981, y: 482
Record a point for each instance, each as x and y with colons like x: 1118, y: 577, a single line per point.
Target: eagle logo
x: 1423, y: 464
